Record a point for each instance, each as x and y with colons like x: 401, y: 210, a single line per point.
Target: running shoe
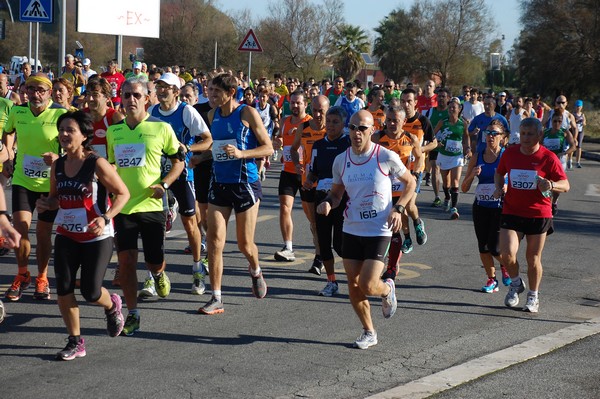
x: 20, y: 284
x: 213, y: 306
x: 330, y: 289
x: 132, y: 324
x: 2, y: 312
x: 428, y: 180
x: 163, y: 284
x: 491, y: 286
x: 389, y: 304
x: 204, y: 262
x: 275, y: 155
x: 263, y: 174
x: 578, y: 165
x: 389, y: 273
x: 149, y: 289
x: 407, y: 246
x: 512, y: 297
x: 506, y: 280
x: 317, y: 266
x: 366, y: 339
x: 532, y: 305
x: 259, y: 287
x: 198, y: 286
x: 42, y: 289
x: 420, y: 232
x: 114, y: 317
x: 187, y: 250
x: 569, y: 165
x: 437, y: 202
x: 454, y: 214
x: 202, y: 247
x: 73, y: 349
x: 446, y: 205
x: 285, y: 255
x: 171, y: 215
x: 116, y: 282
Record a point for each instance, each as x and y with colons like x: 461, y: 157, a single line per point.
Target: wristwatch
x: 164, y: 185
x: 399, y: 208
x: 106, y: 219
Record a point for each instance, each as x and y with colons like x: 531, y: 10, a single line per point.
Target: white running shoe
x: 198, y: 286
x: 366, y: 339
x: 285, y: 255
x: 149, y: 289
x: 512, y: 297
x: 389, y: 303
x: 532, y: 305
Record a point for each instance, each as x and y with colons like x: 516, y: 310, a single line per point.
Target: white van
x: 15, y: 66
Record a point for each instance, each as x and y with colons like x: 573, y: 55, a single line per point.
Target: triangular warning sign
x: 35, y: 9
x: 250, y: 43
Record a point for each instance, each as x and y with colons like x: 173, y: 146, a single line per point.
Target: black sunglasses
x: 362, y: 128
x: 136, y: 95
x: 491, y: 133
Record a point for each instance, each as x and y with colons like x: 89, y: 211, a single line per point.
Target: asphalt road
x: 295, y: 344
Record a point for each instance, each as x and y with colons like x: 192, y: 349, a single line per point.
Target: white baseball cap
x: 170, y: 79
x: 86, y: 61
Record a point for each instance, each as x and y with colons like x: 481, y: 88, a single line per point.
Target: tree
x: 434, y: 39
x: 558, y: 48
x: 349, y: 43
x: 297, y: 35
x: 395, y: 45
x: 188, y: 31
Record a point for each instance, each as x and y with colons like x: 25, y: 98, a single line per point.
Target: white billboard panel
x: 119, y: 17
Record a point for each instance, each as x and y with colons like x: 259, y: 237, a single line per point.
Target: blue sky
x: 367, y: 14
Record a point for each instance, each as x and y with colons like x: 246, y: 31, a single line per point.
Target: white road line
x: 593, y: 190
x: 476, y: 368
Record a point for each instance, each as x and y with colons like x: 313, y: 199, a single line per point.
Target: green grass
x: 592, y: 128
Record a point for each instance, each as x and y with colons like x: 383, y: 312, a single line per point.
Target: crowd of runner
x: 198, y: 145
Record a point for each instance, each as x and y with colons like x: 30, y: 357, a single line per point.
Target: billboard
x: 117, y: 17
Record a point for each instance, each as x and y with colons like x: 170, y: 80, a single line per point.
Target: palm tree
x: 348, y: 43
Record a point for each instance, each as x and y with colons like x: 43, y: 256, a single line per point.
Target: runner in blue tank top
x: 239, y: 137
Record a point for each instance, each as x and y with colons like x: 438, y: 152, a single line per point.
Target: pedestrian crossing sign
x: 36, y: 11
x: 250, y: 43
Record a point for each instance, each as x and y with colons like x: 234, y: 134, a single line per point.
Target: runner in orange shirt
x: 290, y: 181
x: 306, y: 136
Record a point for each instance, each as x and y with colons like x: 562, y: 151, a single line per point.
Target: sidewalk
x: 591, y: 149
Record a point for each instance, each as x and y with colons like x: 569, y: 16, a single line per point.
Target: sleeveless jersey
x: 566, y: 122
x: 420, y: 126
x: 351, y: 107
x: 288, y: 133
x: 484, y: 192
x: 309, y: 138
x: 35, y: 135
x: 514, y: 123
x: 100, y: 128
x: 555, y: 142
x: 230, y: 130
x: 324, y: 152
x: 579, y: 122
x: 182, y: 132
x: 265, y: 116
x: 369, y: 190
x: 81, y: 198
x: 378, y: 117
x: 451, y: 135
x: 403, y: 147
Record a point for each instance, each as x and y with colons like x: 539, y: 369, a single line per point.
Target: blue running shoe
x: 491, y: 286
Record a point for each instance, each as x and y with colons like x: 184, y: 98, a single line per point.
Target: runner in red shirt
x: 534, y: 172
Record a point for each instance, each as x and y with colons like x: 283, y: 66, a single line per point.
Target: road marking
x: 593, y: 190
x: 404, y: 274
x: 476, y: 368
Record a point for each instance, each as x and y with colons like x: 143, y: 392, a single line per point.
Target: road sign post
x: 250, y: 44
